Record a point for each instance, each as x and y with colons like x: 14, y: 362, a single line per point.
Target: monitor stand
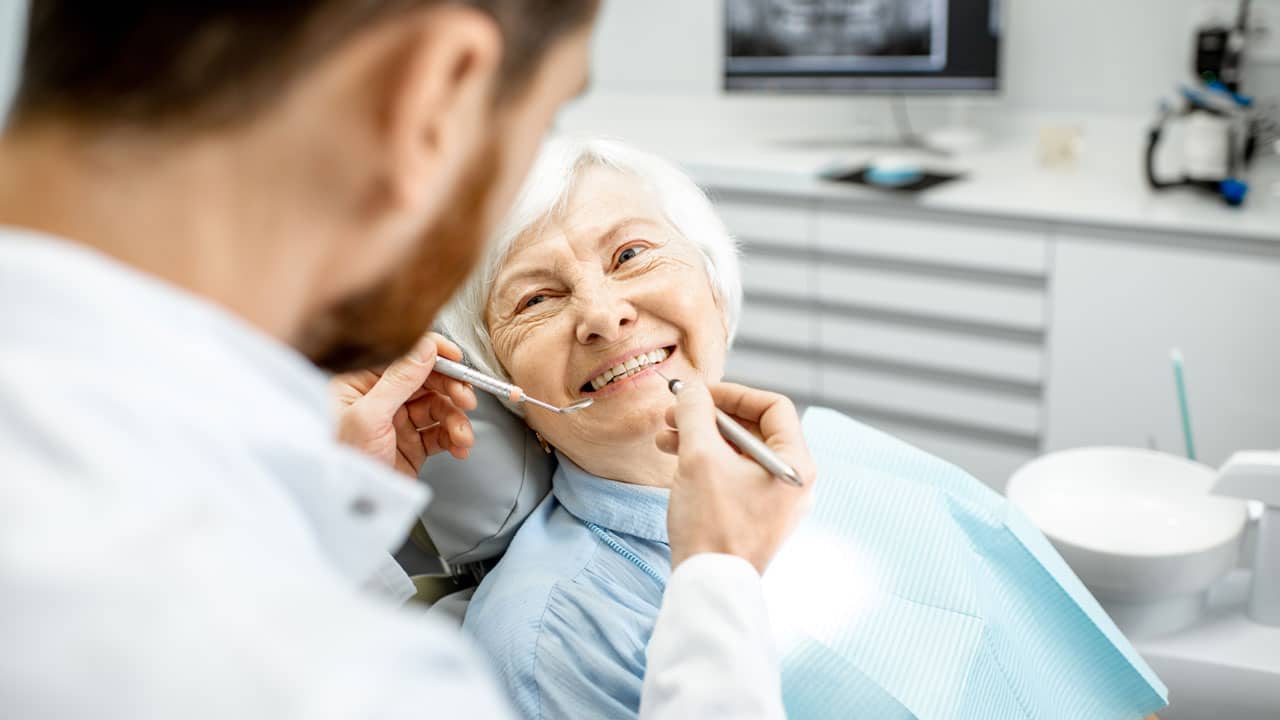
x: 957, y: 135
x: 907, y: 144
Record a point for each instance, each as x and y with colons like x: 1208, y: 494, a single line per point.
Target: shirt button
x: 363, y: 506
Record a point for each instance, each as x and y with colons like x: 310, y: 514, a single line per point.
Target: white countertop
x: 1226, y: 665
x: 725, y: 149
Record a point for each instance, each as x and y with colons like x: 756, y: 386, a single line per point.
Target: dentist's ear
x: 437, y: 103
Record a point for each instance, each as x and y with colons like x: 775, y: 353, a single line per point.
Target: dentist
x: 203, y: 205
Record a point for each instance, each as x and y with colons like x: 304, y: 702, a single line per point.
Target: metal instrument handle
x: 458, y: 371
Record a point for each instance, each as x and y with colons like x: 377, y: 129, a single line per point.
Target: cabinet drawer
x: 923, y: 347
x: 784, y: 326
x: 765, y: 223
x: 778, y: 276
x: 955, y: 405
x: 939, y: 298
x: 935, y: 243
x: 789, y: 375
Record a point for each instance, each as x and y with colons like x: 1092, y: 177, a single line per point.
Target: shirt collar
x: 173, y: 356
x: 638, y: 510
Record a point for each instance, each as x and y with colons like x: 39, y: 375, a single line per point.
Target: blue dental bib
x: 913, y: 590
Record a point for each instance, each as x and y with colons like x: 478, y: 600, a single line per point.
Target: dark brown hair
x: 200, y: 63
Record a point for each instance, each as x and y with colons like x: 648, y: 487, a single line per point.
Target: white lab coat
x: 180, y: 536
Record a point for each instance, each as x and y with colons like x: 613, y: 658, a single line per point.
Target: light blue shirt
x: 567, y: 614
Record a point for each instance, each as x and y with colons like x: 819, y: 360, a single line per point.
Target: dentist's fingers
x: 720, y: 500
x: 771, y: 413
x: 668, y: 441
x: 443, y: 426
x: 401, y: 380
x: 694, y: 415
x: 408, y: 441
x: 446, y: 347
x: 461, y: 393
x: 752, y: 427
x: 769, y: 416
x: 410, y: 378
x: 435, y: 440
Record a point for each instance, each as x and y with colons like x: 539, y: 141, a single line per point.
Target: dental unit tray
x: 859, y: 176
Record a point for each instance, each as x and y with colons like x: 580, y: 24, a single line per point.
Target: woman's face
x: 594, y: 300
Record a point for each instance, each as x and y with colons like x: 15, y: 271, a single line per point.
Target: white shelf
x: 1104, y: 190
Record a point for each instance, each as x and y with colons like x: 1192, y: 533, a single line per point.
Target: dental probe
x: 514, y: 393
x: 745, y: 441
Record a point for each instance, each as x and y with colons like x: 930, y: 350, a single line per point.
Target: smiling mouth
x: 630, y: 368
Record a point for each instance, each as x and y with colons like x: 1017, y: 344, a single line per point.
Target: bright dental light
x: 817, y: 587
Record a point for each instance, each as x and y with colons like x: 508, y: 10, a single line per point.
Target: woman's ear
x: 724, y: 315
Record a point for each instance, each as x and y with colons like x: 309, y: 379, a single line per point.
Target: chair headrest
x: 478, y: 504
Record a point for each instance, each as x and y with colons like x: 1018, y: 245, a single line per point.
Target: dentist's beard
x: 381, y: 324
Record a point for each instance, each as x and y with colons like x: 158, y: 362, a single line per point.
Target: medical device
x: 869, y: 47
x: 1211, y: 127
x: 862, y: 46
x: 1219, y: 49
x: 745, y: 441
x: 513, y: 393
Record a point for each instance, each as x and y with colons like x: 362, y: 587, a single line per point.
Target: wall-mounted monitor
x: 836, y: 46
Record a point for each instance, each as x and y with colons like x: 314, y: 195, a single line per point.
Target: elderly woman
x: 612, y: 269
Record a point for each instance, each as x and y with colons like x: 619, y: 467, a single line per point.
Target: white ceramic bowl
x: 1139, y: 527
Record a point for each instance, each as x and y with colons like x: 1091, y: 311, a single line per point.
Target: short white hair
x: 552, y: 179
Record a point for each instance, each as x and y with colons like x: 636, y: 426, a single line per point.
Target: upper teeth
x: 629, y: 367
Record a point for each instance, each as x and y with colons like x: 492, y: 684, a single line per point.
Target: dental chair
x: 476, y: 507
x: 988, y: 623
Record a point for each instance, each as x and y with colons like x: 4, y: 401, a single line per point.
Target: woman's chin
x: 636, y: 411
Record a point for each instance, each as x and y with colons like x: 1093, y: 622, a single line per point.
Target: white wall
x: 12, y: 24
x: 1115, y: 56
x: 1059, y: 55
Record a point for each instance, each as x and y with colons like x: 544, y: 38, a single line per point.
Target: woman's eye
x: 534, y: 301
x: 630, y: 252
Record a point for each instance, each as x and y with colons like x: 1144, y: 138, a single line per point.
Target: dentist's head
x: 326, y: 169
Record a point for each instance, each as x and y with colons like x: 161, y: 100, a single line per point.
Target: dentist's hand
x: 723, y: 501
x: 402, y: 414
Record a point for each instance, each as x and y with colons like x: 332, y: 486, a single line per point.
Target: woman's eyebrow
x: 608, y: 235
x: 506, y: 280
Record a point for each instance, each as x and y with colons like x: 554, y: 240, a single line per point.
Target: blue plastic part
x: 894, y: 177
x: 1233, y: 191
x: 1241, y: 100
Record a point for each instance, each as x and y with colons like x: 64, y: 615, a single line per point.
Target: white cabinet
x: 987, y: 341
x: 986, y: 246
x: 1013, y: 359
x: 776, y: 345
x: 930, y: 329
x: 1117, y: 311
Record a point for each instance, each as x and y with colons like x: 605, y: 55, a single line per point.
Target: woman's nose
x: 606, y: 317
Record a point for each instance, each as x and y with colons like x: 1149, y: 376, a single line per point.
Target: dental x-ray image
x: 876, y: 35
